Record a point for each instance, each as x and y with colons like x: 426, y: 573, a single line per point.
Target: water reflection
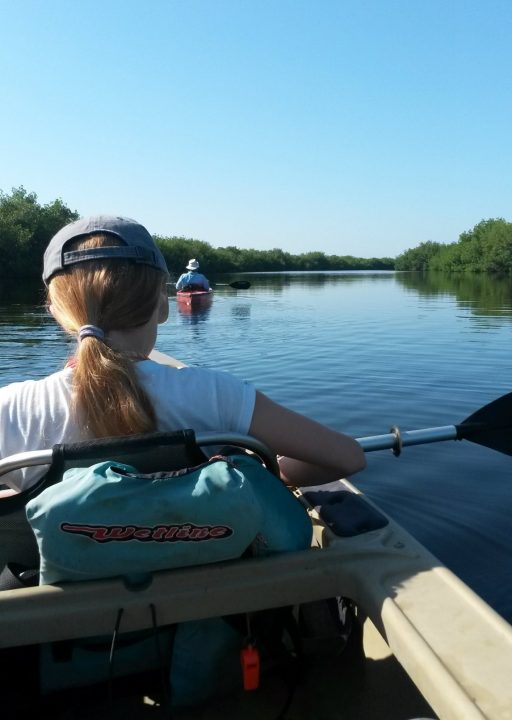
x: 192, y: 314
x: 17, y: 307
x: 23, y: 292
x: 241, y: 312
x: 485, y: 295
x: 279, y: 281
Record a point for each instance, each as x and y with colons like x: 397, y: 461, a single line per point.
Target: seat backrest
x: 149, y: 455
x: 150, y: 452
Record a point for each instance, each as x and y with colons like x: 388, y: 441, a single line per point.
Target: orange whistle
x: 250, y: 659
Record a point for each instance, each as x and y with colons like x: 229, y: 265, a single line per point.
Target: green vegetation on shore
x: 26, y: 228
x: 486, y: 248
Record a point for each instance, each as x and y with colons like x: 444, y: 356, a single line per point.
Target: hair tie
x: 90, y: 331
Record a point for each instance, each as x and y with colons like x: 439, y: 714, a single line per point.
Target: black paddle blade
x: 240, y: 284
x: 490, y: 426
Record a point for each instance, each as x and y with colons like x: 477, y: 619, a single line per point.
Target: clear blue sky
x: 359, y: 127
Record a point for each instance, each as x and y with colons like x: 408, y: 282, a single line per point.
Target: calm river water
x: 359, y: 352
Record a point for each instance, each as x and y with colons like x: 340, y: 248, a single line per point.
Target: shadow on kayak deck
x: 335, y: 686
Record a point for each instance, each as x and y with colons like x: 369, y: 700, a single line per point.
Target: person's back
x: 193, y: 279
x: 106, y: 282
x: 102, y: 293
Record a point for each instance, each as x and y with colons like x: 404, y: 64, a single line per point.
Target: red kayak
x: 194, y: 298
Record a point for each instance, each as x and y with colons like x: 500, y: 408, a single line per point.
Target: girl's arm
x: 313, y: 453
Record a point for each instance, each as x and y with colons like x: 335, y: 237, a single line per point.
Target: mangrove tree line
x: 485, y: 248
x: 26, y: 227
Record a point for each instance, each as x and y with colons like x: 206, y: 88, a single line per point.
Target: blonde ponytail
x: 113, y: 295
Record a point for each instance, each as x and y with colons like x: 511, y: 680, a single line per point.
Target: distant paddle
x: 490, y: 426
x: 238, y: 284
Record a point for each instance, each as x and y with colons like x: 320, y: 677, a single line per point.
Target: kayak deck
x: 335, y: 686
x: 454, y: 647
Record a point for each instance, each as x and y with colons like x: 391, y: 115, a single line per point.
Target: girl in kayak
x: 106, y: 282
x: 193, y: 279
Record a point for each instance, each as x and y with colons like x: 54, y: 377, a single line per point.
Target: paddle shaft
x: 236, y: 285
x: 490, y: 426
x: 396, y: 440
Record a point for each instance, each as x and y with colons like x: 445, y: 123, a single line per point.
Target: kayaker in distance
x: 193, y: 279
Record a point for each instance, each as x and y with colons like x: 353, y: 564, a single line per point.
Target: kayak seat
x: 150, y: 453
x: 50, y: 657
x: 344, y: 512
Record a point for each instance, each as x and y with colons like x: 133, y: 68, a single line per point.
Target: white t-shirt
x: 35, y: 414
